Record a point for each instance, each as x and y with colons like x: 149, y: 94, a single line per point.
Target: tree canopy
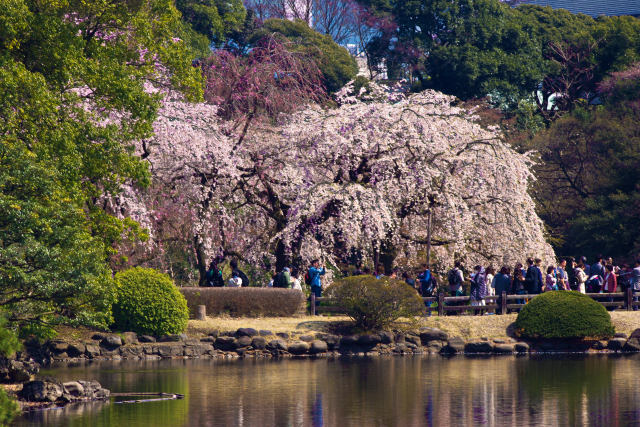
x: 78, y: 84
x: 336, y: 64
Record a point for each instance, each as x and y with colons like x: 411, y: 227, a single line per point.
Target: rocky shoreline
x: 248, y: 342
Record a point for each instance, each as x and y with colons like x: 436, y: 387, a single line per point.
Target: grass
x: 466, y: 327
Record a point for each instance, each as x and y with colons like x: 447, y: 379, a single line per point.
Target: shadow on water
x: 381, y: 391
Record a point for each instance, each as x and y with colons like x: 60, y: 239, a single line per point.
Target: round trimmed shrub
x: 564, y: 314
x: 148, y: 302
x: 373, y: 303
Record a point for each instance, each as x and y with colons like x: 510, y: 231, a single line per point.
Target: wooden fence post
x: 440, y: 303
x: 201, y: 312
x: 629, y: 299
x: 313, y: 304
x: 503, y: 303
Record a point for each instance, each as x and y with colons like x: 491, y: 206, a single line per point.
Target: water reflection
x: 431, y: 391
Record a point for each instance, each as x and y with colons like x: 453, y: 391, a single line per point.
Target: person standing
x: 550, y: 283
x: 519, y: 284
x: 635, y: 281
x: 610, y: 280
x: 534, y: 276
x: 282, y: 279
x: 489, y: 280
x: 235, y: 281
x: 581, y: 277
x: 455, y: 277
x: 235, y: 270
x: 479, y: 286
x: 502, y: 283
x: 561, y: 276
x: 214, y: 278
x: 296, y: 282
x: 315, y: 271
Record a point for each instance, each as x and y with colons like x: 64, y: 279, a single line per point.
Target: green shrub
x: 250, y: 302
x: 8, y: 409
x: 374, y: 304
x: 563, y: 314
x: 149, y: 303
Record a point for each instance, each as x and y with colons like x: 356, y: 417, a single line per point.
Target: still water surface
x: 402, y: 391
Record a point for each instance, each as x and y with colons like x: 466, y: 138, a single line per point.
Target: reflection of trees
x: 499, y: 391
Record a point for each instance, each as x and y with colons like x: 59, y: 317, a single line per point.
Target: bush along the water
x: 149, y: 303
x: 373, y: 303
x: 563, y: 315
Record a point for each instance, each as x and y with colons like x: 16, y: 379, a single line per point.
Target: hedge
x: 562, y: 315
x: 246, y: 302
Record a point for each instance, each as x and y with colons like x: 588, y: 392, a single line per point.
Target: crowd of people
x: 603, y: 276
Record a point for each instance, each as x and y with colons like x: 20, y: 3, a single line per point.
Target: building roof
x: 592, y: 7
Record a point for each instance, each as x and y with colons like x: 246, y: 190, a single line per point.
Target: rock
x: 92, y: 350
x: 454, y: 345
x: 307, y: 338
x: 169, y: 350
x: 208, y: 339
x: 173, y: 338
x: 616, y: 344
x: 634, y: 334
x: 632, y: 345
x: 99, y: 336
x: 74, y: 388
x: 333, y: 341
x: 76, y: 349
x: 246, y: 332
x: 435, y: 346
x: 369, y: 340
x: 298, y: 347
x: 41, y: 391
x: 623, y: 335
x: 386, y: 337
x: 399, y: 338
x: 259, y: 343
x: 277, y: 345
x: 265, y: 333
x: 504, y: 348
x: 131, y: 350
x: 413, y: 339
x: 522, y: 347
x: 318, y: 346
x: 283, y: 335
x: 21, y: 371
x: 111, y: 342
x: 599, y: 345
x: 432, y: 334
x: 348, y: 340
x: 58, y: 346
x: 478, y: 347
x: 196, y: 350
x: 243, y: 341
x: 146, y: 338
x: 129, y: 337
x: 225, y: 343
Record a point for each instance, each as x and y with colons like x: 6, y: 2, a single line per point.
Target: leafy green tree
x: 74, y: 79
x: 589, y: 175
x: 336, y: 64
x: 210, y: 21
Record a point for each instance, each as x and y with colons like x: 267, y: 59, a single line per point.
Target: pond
x: 400, y: 391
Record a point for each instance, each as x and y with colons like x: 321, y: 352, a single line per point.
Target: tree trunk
x: 429, y: 239
x: 201, y: 260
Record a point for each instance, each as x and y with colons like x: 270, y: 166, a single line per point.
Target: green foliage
x: 9, y: 342
x: 374, y: 304
x: 72, y: 100
x: 9, y: 409
x: 149, y: 303
x: 336, y: 64
x: 588, y: 190
x: 210, y: 21
x: 564, y: 314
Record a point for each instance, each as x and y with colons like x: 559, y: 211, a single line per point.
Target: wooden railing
x: 494, y: 303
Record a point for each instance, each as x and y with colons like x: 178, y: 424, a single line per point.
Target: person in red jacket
x: 610, y: 280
